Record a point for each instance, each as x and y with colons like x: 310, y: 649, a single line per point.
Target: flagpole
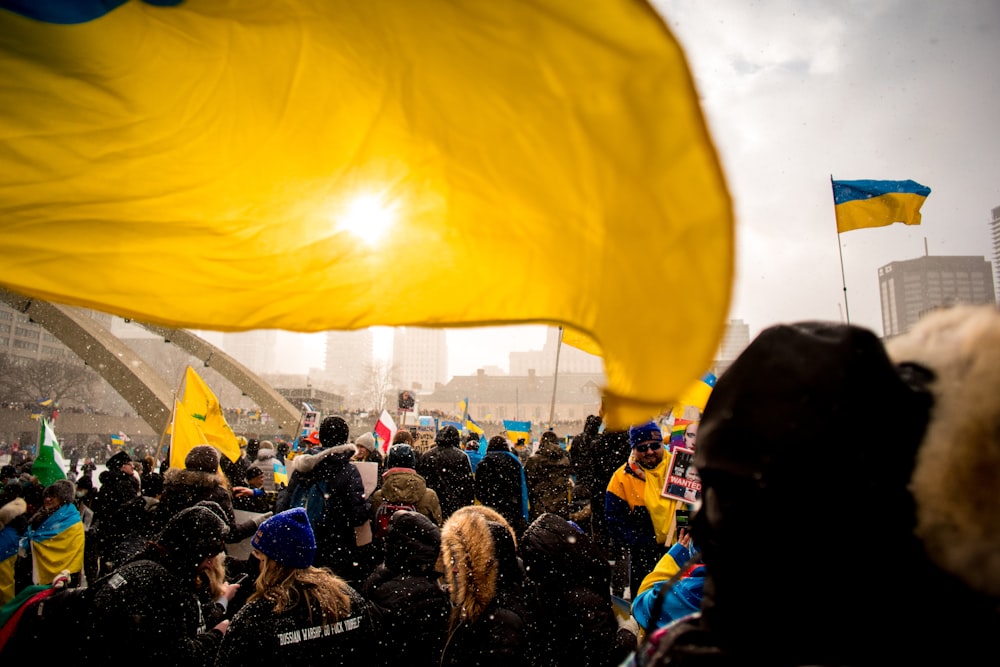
x: 555, y: 381
x: 840, y: 251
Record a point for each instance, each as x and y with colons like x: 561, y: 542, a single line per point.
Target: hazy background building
x: 911, y: 288
x: 419, y: 358
x: 349, y: 354
x: 23, y: 339
x: 257, y: 350
x: 543, y: 362
x: 995, y: 234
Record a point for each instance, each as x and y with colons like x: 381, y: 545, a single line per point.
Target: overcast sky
x: 798, y: 90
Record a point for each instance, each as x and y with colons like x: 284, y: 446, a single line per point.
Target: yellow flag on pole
x: 202, y: 409
x: 160, y: 151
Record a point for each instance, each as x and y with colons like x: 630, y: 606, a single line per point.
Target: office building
x: 911, y: 288
x: 349, y: 356
x: 419, y: 358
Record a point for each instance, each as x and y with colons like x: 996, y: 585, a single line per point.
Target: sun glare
x: 368, y: 217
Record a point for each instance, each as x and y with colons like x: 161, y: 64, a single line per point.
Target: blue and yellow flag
x: 161, y: 148
x: 9, y: 539
x: 280, y: 473
x: 861, y: 204
x: 518, y: 429
x: 56, y: 545
x: 472, y: 427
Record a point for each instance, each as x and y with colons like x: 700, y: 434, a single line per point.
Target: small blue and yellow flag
x: 280, y: 473
x: 517, y: 430
x: 861, y: 204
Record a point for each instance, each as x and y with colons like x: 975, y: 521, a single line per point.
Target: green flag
x: 49, y: 464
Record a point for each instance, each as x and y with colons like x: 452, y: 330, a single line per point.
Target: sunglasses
x: 652, y: 447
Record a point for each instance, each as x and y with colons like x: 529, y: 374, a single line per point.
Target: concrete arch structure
x: 274, y: 404
x: 136, y: 381
x: 123, y: 369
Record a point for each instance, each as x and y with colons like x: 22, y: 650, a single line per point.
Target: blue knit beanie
x: 644, y: 433
x: 287, y: 538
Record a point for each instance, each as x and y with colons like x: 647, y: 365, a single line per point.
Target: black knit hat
x: 192, y: 535
x: 400, y: 456
x: 448, y: 437
x: 118, y: 460
x: 333, y: 431
x: 203, y: 458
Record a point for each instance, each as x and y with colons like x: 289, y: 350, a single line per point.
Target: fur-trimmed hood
x: 475, y: 568
x: 306, y: 464
x: 957, y: 471
x: 196, y: 478
x: 12, y: 510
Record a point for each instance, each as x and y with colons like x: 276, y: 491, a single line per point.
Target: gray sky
x: 795, y: 91
x: 798, y: 90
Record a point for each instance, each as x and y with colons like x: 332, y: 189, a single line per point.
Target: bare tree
x: 376, y: 384
x: 30, y: 380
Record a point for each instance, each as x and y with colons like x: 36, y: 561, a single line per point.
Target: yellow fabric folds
x: 535, y: 161
x: 879, y: 211
x: 198, y: 420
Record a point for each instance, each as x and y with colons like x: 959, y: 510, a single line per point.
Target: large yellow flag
x: 200, y: 410
x: 264, y: 165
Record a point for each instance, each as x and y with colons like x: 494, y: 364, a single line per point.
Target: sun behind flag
x: 517, y: 127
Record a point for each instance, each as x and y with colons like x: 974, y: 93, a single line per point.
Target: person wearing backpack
x: 330, y: 489
x: 402, y: 489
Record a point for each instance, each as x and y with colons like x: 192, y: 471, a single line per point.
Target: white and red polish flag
x: 385, y: 429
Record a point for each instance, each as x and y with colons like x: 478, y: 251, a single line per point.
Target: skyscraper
x: 257, y: 350
x: 349, y: 354
x: 995, y: 234
x: 420, y: 358
x: 734, y: 340
x: 913, y: 287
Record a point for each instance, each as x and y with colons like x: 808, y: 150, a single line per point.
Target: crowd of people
x: 575, y: 555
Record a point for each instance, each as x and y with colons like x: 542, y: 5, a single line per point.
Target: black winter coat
x: 147, y: 612
x: 571, y: 621
x: 296, y: 636
x: 411, y: 606
x: 346, y: 506
x: 119, y: 511
x: 499, y: 479
x: 447, y: 470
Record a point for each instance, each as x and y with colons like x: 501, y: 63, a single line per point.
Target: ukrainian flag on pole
x: 861, y: 204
